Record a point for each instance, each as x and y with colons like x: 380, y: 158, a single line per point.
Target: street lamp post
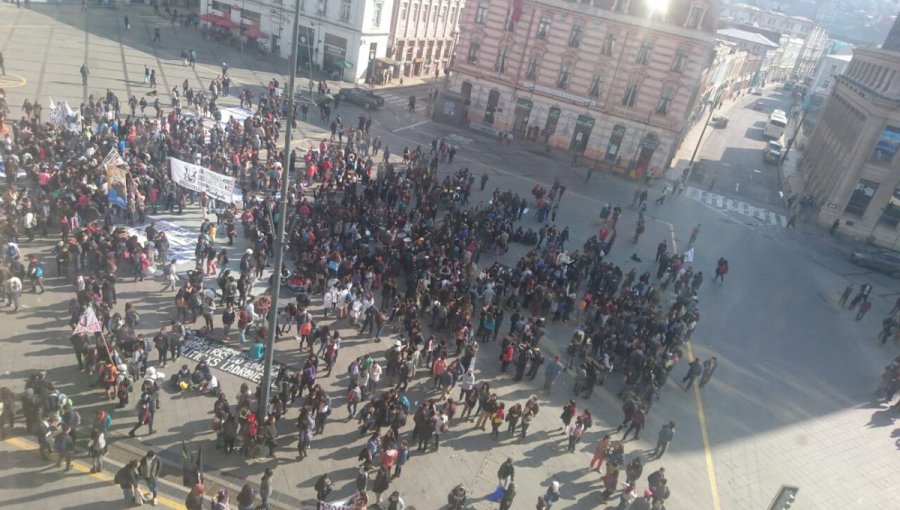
x: 690, y: 168
x: 266, y: 388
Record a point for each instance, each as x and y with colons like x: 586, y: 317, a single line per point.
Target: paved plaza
x: 792, y: 401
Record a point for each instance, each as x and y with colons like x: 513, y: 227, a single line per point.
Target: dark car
x: 363, y: 97
x: 719, y: 121
x: 881, y: 260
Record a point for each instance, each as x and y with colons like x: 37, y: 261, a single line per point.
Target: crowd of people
x: 376, y: 243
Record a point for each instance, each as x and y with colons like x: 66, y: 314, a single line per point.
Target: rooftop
x: 744, y: 35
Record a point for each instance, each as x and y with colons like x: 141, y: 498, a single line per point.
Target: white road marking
x: 719, y: 202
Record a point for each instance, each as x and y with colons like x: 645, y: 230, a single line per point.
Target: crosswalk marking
x: 743, y: 208
x: 394, y: 100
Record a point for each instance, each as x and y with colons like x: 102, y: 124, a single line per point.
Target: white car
x: 755, y: 91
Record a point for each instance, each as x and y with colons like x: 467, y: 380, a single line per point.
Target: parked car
x: 756, y: 91
x: 772, y: 152
x: 719, y: 121
x: 878, y: 259
x: 363, y: 97
x: 758, y: 106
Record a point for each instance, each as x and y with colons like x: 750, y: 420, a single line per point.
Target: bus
x: 776, y: 124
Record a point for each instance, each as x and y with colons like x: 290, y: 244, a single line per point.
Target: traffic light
x: 785, y: 498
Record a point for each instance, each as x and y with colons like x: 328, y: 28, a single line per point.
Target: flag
x: 689, y: 255
x: 57, y: 114
x: 116, y: 170
x: 88, y: 323
x: 516, y: 14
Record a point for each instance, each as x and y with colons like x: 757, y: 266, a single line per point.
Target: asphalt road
x: 730, y: 161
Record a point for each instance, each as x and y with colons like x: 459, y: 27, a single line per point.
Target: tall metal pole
x: 279, y: 234
x: 697, y: 147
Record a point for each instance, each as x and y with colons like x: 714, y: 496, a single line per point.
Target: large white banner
x: 197, y: 178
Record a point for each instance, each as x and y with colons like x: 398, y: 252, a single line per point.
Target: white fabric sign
x: 197, y: 178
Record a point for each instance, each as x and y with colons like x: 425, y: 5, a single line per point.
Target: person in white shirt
x: 12, y: 288
x: 374, y: 377
x: 466, y: 384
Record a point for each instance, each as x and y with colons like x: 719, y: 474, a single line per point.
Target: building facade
x: 609, y: 79
x: 814, y: 36
x: 826, y: 75
x: 761, y: 51
x: 347, y: 39
x: 851, y: 166
x: 423, y: 36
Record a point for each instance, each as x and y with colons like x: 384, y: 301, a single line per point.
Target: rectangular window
x: 694, y: 18
x: 472, y: 57
x: 543, y: 27
x: 887, y: 146
x: 425, y: 13
x: 453, y: 17
x: 346, y: 9
x: 376, y: 15
x: 662, y: 108
x: 575, y: 36
x: 444, y: 14
x: 680, y: 61
x: 861, y: 197
x: 434, y: 15
x: 481, y: 14
x: 609, y: 44
x: 221, y: 6
x: 615, y: 142
x: 890, y: 216
x: 596, y: 85
x: 403, y: 8
x: 630, y: 95
x: 531, y: 74
x: 563, y: 80
x: 500, y: 65
x: 643, y: 55
x: 415, y: 13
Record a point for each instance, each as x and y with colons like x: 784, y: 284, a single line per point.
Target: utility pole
x: 794, y: 137
x: 266, y: 387
x: 690, y: 168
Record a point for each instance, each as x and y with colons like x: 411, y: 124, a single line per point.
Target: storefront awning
x: 217, y: 20
x: 387, y: 61
x: 254, y: 33
x: 344, y: 64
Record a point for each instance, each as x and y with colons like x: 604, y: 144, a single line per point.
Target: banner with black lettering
x: 199, y: 179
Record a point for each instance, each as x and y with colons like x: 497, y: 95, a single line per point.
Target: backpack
x: 10, y: 251
x: 120, y: 476
x: 39, y: 272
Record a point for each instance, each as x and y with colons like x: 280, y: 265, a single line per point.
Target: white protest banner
x: 689, y: 255
x: 199, y: 179
x: 181, y: 240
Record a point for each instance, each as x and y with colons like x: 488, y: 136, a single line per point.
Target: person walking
x: 864, y: 308
x: 695, y: 369
x: 97, y: 449
x: 127, y: 480
x: 146, y: 412
x: 694, y: 233
x: 721, y: 270
x: 2, y: 65
x: 84, y: 74
x: 12, y: 289
x: 848, y: 291
x: 509, y: 494
x: 194, y: 499
x: 709, y: 368
x: 666, y: 434
x: 65, y: 447
x: 323, y: 485
x: 637, y: 423
x: 575, y: 432
x: 149, y: 470
x: 601, y: 451
x: 507, y: 473
x: 127, y: 23
x: 551, y: 373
